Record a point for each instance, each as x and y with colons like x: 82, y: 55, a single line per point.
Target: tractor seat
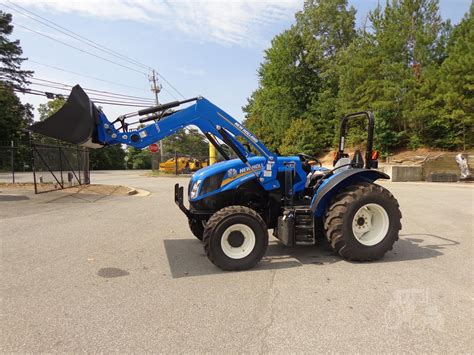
x: 344, y: 163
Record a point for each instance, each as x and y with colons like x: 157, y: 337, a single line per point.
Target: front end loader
x: 233, y: 203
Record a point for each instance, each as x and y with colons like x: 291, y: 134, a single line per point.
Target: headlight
x: 195, y: 188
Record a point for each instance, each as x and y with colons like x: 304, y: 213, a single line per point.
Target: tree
x: 301, y: 138
x: 14, y: 116
x: 283, y: 93
x: 298, y: 77
x: 328, y: 28
x: 405, y: 64
x: 453, y: 102
x: 11, y: 73
x: 189, y: 142
x: 107, y: 158
x: 138, y: 159
x: 392, y: 70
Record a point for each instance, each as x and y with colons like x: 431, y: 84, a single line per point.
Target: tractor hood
x: 231, y: 174
x: 222, y: 176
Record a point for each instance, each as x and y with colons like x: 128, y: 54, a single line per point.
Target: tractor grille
x: 212, y: 183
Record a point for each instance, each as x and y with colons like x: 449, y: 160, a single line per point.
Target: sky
x: 201, y: 47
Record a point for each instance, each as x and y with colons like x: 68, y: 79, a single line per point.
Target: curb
x: 138, y: 192
x: 132, y: 192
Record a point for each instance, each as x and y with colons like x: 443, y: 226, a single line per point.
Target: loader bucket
x: 74, y: 123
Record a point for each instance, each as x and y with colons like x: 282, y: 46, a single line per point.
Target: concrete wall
x: 445, y: 163
x: 403, y: 172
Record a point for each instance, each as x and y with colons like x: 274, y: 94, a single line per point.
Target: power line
x: 88, y: 42
x: 171, y: 86
x: 87, y: 76
x: 105, y: 93
x: 95, y: 100
x: 103, y: 80
x: 79, y: 49
x: 74, y: 35
x: 99, y: 96
x: 96, y: 92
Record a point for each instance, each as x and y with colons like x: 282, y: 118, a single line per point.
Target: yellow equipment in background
x: 183, y: 165
x: 171, y: 165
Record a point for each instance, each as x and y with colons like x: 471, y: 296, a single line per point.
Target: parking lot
x: 124, y: 273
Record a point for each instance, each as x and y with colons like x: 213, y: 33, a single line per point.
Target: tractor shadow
x: 416, y: 246
x: 186, y: 256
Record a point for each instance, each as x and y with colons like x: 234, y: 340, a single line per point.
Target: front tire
x: 235, y: 238
x: 197, y: 227
x: 362, y: 222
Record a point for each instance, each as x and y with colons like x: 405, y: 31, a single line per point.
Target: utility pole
x: 156, y: 89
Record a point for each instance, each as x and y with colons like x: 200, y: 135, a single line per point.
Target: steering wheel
x: 305, y: 158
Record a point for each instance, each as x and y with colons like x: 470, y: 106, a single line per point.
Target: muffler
x: 75, y: 122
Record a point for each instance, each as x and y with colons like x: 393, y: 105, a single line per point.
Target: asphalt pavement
x: 125, y: 274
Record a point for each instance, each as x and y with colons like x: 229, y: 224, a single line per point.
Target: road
x: 124, y: 274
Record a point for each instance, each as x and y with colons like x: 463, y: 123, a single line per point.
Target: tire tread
x: 213, y: 222
x: 333, y: 219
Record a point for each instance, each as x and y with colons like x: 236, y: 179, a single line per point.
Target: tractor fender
x: 338, y: 182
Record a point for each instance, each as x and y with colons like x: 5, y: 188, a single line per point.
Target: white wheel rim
x: 370, y: 224
x: 243, y: 250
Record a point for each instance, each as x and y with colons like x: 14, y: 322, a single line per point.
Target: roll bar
x: 370, y: 136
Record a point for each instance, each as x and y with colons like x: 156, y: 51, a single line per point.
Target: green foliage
x: 390, y: 68
x: 186, y: 142
x: 10, y: 55
x: 283, y: 94
x: 14, y: 116
x: 107, y: 158
x: 387, y: 137
x: 300, y: 138
x: 453, y: 124
x: 138, y: 159
x: 413, y: 70
x: 298, y: 80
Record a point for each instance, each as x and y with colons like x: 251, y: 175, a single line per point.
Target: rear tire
x: 362, y: 222
x: 197, y: 227
x: 235, y: 238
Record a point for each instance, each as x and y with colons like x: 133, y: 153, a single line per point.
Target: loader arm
x: 209, y: 118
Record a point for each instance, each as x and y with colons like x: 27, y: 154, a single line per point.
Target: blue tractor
x: 233, y: 203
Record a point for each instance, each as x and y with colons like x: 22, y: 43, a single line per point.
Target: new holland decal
x: 233, y: 174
